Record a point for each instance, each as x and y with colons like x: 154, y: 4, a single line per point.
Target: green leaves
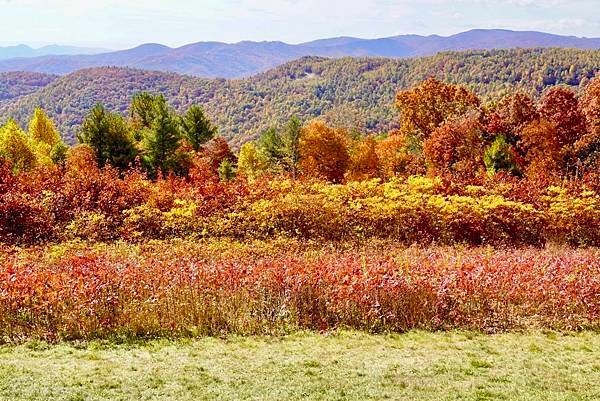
x: 196, y: 128
x: 110, y: 137
x: 500, y: 156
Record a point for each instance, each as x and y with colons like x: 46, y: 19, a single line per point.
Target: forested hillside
x: 357, y: 93
x: 16, y: 84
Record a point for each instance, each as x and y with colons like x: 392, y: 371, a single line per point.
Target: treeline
x: 357, y: 93
x: 445, y: 131
x: 154, y: 138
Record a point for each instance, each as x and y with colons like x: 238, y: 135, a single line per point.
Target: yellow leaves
x: 424, y: 185
x: 324, y: 152
x: 281, y: 185
x: 41, y: 129
x: 28, y: 150
x: 17, y: 147
x: 94, y: 226
x: 182, y: 209
x: 251, y: 161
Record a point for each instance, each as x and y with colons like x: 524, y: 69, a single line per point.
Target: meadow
x: 471, y: 220
x: 344, y: 365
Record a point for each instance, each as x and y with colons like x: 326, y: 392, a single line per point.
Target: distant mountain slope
x: 357, y: 92
x: 17, y: 84
x: 215, y: 59
x: 10, y: 52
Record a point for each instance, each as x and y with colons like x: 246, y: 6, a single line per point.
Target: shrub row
x: 179, y: 288
x: 82, y: 201
x: 416, y: 211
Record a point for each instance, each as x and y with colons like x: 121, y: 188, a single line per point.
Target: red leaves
x: 179, y: 288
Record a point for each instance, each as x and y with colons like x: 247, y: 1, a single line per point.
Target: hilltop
x: 356, y: 92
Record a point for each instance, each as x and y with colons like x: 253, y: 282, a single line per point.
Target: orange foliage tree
x: 543, y: 152
x: 324, y: 151
x: 429, y: 105
x: 456, y: 148
x: 364, y: 162
x: 396, y: 158
x: 216, y: 152
x: 588, y: 147
x: 511, y: 114
x: 560, y: 107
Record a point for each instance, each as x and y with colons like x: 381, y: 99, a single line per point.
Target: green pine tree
x: 196, y: 128
x: 110, y: 137
x: 161, y: 139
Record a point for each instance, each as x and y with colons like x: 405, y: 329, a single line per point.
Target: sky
x: 119, y: 24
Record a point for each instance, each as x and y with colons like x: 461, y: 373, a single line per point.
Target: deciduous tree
x: 588, y: 147
x: 42, y: 129
x: 251, y: 161
x: 542, y: 150
x: 16, y: 147
x: 324, y: 152
x: 455, y: 148
x: 216, y: 152
x: 501, y: 156
x: 427, y: 106
x: 364, y: 162
x: 560, y: 107
x: 510, y: 115
x: 396, y: 157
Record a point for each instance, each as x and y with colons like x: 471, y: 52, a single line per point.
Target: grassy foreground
x: 340, y: 366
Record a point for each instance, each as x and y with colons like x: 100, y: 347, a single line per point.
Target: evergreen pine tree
x: 196, y: 128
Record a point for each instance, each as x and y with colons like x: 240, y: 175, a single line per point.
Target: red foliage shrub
x: 186, y: 289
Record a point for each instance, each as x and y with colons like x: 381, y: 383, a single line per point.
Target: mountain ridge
x: 247, y: 58
x: 359, y: 92
x: 25, y: 51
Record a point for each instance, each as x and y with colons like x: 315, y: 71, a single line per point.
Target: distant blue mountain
x: 215, y: 59
x: 19, y: 51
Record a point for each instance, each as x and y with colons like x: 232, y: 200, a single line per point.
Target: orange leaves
x: 324, y: 152
x: 511, y: 114
x: 455, y: 149
x: 560, y: 107
x: 588, y: 147
x: 86, y: 202
x: 216, y: 152
x: 364, y: 161
x: 429, y: 105
x: 396, y: 158
x: 539, y: 141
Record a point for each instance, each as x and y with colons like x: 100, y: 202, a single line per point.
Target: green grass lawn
x: 340, y: 366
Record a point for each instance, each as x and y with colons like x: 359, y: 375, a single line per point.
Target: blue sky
x: 125, y: 23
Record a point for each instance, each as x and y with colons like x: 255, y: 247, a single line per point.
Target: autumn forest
x: 299, y: 200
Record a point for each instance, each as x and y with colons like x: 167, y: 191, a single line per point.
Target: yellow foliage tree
x: 42, y: 129
x: 17, y: 147
x: 251, y: 161
x: 364, y: 162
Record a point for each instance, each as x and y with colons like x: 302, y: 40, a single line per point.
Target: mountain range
x: 24, y: 51
x: 243, y: 59
x: 357, y: 93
